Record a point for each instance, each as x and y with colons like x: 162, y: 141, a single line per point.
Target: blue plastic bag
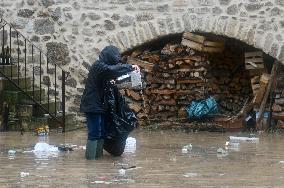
x: 203, y: 108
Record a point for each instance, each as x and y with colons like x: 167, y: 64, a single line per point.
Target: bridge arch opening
x: 176, y: 74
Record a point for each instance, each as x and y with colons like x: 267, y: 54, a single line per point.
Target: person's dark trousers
x: 96, y: 134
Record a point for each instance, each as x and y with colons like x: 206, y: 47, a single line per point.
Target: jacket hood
x: 110, y: 55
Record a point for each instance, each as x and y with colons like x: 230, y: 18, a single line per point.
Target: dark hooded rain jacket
x: 106, y: 68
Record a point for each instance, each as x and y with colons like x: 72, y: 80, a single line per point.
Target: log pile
x: 278, y: 106
x: 177, y: 74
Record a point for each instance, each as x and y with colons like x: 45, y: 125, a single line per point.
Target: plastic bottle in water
x: 130, y: 146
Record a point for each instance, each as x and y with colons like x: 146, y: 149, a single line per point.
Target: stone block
x: 53, y: 107
x: 225, y: 2
x: 16, y: 97
x: 274, y: 50
x: 44, y: 26
x: 55, y: 13
x: 109, y: 25
x: 126, y: 21
x: 26, y: 13
x: 47, y: 3
x: 58, y: 52
x: 22, y: 83
x: 25, y: 110
x: 145, y: 16
x: 233, y: 9
x: 250, y: 7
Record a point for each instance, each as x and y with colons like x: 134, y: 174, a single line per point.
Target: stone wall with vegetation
x: 74, y: 32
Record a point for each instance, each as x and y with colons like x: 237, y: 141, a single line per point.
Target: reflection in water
x: 156, y: 160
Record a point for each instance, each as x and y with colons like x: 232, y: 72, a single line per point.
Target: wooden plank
x: 184, y: 70
x: 144, y: 64
x: 155, y: 80
x: 192, y: 57
x: 255, y: 79
x: 194, y: 37
x: 163, y: 92
x: 213, y: 50
x: 134, y: 95
x: 259, y: 66
x: 254, y: 60
x: 264, y: 79
x: 192, y: 44
x: 200, y: 47
x: 184, y: 92
x: 135, y: 107
x: 219, y: 44
x: 274, y: 70
x: 278, y: 116
x: 170, y: 102
x: 253, y: 54
x: 255, y: 72
x: 195, y: 81
x: 259, y: 94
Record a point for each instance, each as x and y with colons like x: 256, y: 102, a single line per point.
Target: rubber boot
x: 100, y: 148
x: 91, y: 149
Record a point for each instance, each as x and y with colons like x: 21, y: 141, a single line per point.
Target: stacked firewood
x: 278, y: 106
x: 177, y: 74
x: 228, y: 82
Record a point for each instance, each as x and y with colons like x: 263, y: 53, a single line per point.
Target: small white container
x: 130, y: 146
x: 184, y: 150
x: 136, y: 79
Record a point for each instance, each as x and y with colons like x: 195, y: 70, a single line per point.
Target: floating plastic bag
x: 203, y: 108
x: 44, y: 150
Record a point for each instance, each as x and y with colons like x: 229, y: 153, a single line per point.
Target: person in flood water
x: 108, y: 67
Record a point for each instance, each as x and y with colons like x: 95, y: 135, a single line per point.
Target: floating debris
x: 222, y: 151
x: 190, y: 175
x: 244, y: 139
x: 122, y: 172
x: 11, y: 152
x: 187, y: 148
x: 24, y: 174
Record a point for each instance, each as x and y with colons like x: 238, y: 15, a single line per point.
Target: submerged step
x: 9, y: 70
x: 16, y: 97
x: 52, y: 106
x: 22, y: 82
x: 70, y: 121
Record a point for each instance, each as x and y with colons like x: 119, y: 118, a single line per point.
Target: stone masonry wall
x: 75, y: 31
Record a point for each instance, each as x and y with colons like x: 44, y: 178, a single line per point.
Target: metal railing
x: 31, y: 71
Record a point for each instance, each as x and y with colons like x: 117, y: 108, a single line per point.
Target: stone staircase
x: 27, y: 101
x: 24, y: 113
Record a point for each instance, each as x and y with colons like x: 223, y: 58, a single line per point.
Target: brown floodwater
x: 158, y: 161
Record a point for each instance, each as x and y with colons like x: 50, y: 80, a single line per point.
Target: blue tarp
x: 203, y: 108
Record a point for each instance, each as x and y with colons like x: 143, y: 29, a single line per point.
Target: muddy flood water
x: 158, y: 161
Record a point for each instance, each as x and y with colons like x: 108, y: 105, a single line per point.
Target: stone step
x: 70, y: 122
x: 17, y: 97
x: 23, y: 83
x: 30, y: 108
x: 14, y: 125
x: 53, y: 107
x: 6, y: 69
x: 28, y: 123
x: 24, y: 110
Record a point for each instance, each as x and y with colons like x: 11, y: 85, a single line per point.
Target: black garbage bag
x: 120, y: 121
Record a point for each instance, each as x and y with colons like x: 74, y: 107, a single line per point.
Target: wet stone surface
x: 158, y: 161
